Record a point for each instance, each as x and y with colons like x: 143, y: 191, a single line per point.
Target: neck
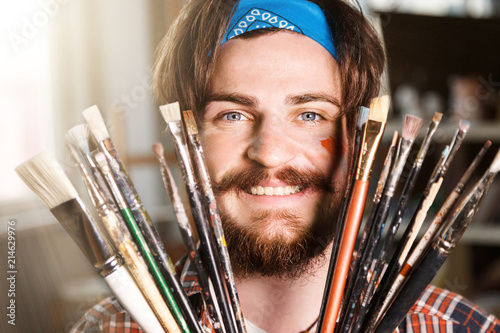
x: 279, y: 305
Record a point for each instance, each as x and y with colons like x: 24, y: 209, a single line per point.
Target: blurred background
x: 58, y: 57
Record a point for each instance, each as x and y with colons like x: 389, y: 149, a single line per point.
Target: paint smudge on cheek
x: 328, y: 144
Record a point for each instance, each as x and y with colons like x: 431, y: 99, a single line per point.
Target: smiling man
x: 276, y: 86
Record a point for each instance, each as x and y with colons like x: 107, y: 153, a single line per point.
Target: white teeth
x: 279, y: 190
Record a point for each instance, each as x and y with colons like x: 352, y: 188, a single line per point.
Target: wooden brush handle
x: 354, y: 216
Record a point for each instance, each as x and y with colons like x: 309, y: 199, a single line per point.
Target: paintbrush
x: 440, y: 250
x: 186, y: 233
x: 46, y: 178
x: 141, y: 242
x: 403, y: 202
x: 339, y: 228
x: 355, y: 263
x: 372, y: 135
x: 380, y: 297
x: 425, y: 242
x: 172, y: 115
x: 139, y: 223
x: 379, y: 265
x: 78, y: 137
x: 212, y: 211
x: 429, y: 194
x: 411, y: 127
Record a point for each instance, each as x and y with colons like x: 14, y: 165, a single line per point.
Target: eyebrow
x: 313, y: 97
x: 250, y: 101
x: 241, y: 99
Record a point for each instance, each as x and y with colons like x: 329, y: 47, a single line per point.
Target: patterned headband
x: 301, y: 16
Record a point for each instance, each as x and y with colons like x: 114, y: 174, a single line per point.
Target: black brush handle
x: 412, y: 290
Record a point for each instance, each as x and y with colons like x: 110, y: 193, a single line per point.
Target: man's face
x: 275, y: 145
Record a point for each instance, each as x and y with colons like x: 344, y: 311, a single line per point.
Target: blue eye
x: 234, y: 116
x: 309, y: 116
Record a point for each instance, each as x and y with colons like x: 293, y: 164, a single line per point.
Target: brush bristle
x: 96, y: 123
x: 411, y: 127
x: 158, y: 150
x: 437, y: 117
x: 487, y: 144
x: 78, y: 137
x: 362, y: 117
x: 379, y: 108
x: 464, y: 125
x: 46, y: 178
x: 171, y: 112
x: 191, y: 127
x: 495, y: 165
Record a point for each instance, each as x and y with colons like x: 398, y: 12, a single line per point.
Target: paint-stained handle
x: 354, y: 216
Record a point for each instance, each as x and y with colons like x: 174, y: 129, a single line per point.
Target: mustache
x: 244, y: 179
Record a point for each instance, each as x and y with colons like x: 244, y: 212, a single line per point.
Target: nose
x: 271, y: 145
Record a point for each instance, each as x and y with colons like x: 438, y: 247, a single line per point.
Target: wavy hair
x: 185, y: 57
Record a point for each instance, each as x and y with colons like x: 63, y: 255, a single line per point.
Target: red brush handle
x: 354, y: 216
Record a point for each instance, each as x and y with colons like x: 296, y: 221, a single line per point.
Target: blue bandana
x: 301, y: 16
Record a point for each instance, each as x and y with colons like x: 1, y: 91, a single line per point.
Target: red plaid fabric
x: 436, y: 311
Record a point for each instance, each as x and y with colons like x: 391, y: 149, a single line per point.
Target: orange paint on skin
x: 328, y: 144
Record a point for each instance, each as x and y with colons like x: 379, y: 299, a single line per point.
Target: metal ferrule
x: 426, y: 144
x: 371, y: 139
x: 454, y: 146
x: 464, y: 214
x: 82, y: 228
x: 404, y: 151
x: 180, y: 143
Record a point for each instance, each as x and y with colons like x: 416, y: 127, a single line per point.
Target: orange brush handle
x: 351, y: 229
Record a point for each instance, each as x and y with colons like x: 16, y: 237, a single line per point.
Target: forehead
x: 283, y: 58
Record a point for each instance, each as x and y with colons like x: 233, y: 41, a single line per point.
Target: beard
x: 297, y: 246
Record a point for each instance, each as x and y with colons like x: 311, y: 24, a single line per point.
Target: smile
x: 278, y: 190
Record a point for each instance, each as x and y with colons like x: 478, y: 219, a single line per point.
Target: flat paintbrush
x: 440, y: 250
x: 172, y: 115
x: 340, y: 223
x: 355, y: 263
x: 198, y: 159
x: 372, y: 136
x: 411, y: 127
x: 46, y: 178
x: 186, y: 233
x: 143, y: 230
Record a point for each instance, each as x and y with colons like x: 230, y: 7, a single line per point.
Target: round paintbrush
x: 372, y: 135
x: 186, y: 233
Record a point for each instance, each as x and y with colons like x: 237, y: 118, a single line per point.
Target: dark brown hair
x: 185, y: 57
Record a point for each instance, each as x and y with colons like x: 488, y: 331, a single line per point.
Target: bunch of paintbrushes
x: 123, y: 220
x: 152, y: 294
x: 366, y: 289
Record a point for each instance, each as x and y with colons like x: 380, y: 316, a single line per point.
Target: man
x: 276, y: 90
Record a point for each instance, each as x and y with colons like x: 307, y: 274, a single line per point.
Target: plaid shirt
x: 436, y: 310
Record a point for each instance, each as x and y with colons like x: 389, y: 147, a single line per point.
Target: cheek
x: 221, y: 153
